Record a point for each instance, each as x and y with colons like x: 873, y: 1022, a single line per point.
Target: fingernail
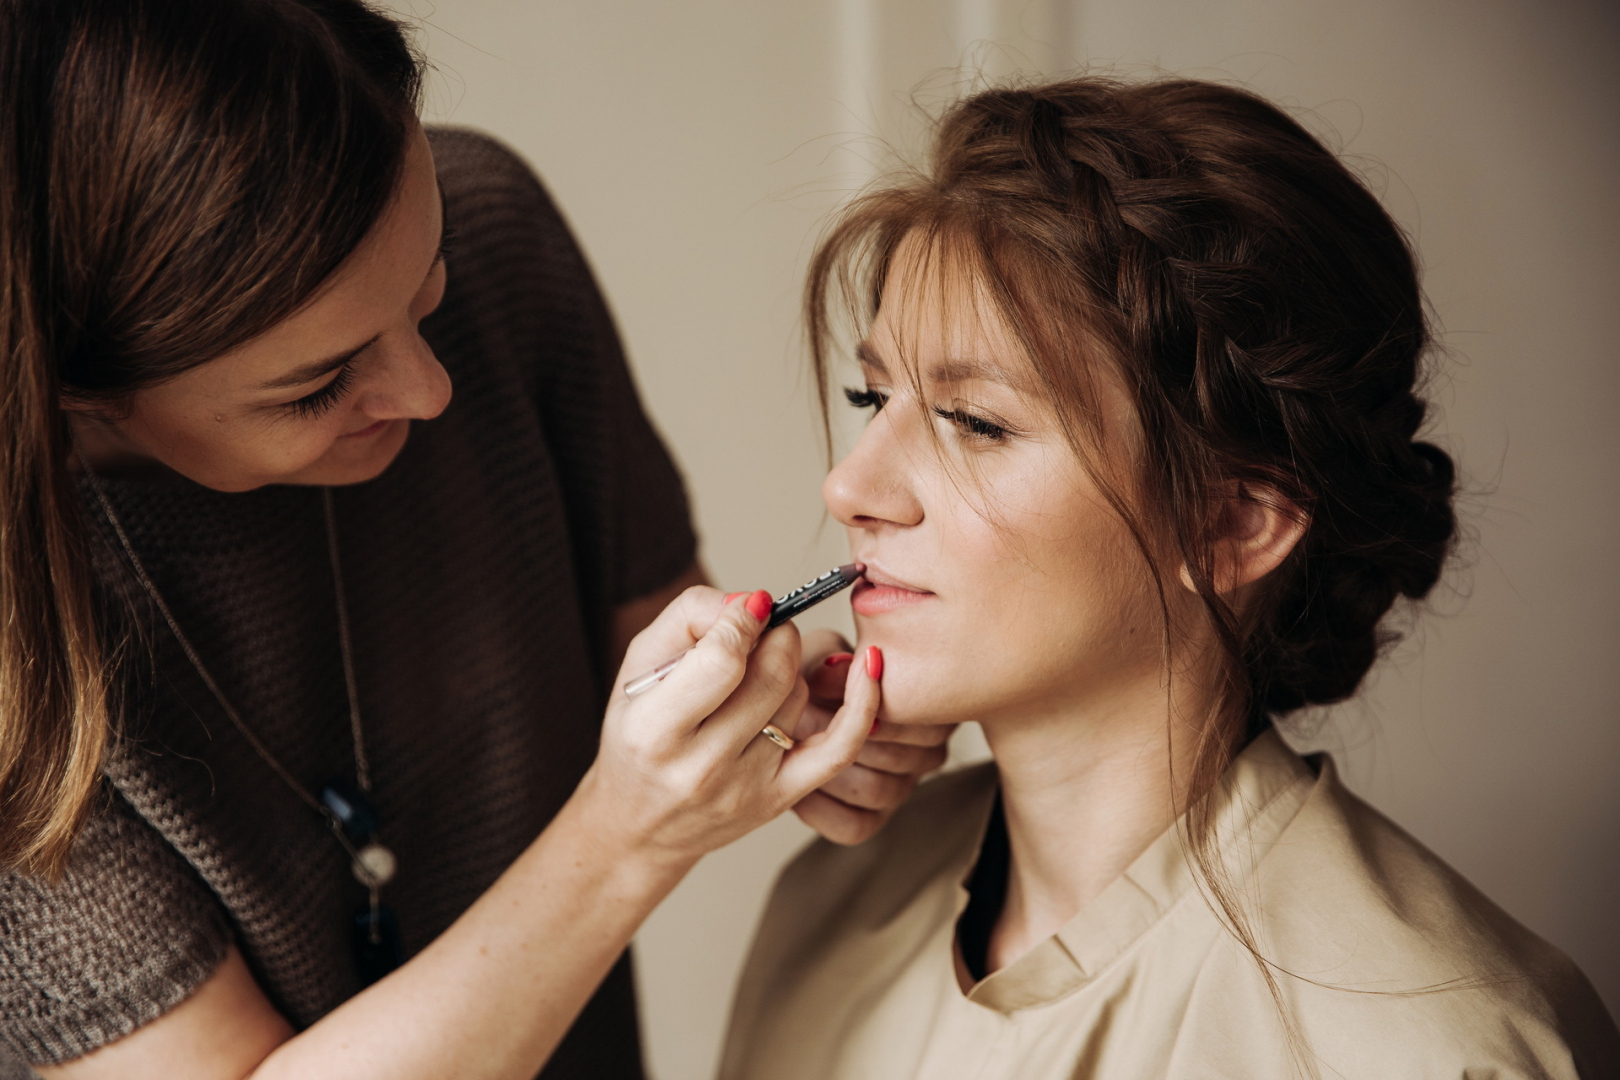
x: 875, y: 724
x: 874, y: 662
x: 730, y: 596
x: 759, y: 605
x: 839, y: 658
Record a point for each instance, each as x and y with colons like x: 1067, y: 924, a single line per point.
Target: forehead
x: 937, y: 318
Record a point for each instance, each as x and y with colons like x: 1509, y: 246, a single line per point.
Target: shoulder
x: 1362, y: 919
x: 841, y: 918
x: 520, y: 296
x: 505, y: 235
x: 478, y: 168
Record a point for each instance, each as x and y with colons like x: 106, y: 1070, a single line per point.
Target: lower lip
x: 366, y: 432
x: 870, y: 599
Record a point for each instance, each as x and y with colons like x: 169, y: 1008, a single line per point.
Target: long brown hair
x: 1264, y: 314
x: 176, y: 176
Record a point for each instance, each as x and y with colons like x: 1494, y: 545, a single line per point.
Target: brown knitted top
x: 481, y: 570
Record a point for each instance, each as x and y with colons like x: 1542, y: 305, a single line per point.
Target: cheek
x: 1040, y: 597
x: 234, y: 453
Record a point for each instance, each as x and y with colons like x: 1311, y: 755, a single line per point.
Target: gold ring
x: 777, y: 736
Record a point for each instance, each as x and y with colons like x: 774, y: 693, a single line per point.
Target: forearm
x: 680, y: 772
x: 491, y: 997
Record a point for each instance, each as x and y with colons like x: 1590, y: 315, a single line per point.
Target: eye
x: 321, y: 401
x: 971, y: 424
x: 865, y: 399
x: 447, y: 242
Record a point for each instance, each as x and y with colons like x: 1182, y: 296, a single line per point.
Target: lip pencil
x: 797, y: 602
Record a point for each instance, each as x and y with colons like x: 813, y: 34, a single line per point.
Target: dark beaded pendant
x: 374, y: 931
x: 351, y: 809
x: 377, y: 945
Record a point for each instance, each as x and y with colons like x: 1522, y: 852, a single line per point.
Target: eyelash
x: 312, y: 405
x: 976, y: 426
x: 865, y: 399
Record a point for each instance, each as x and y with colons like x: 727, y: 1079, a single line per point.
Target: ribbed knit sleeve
x: 128, y: 933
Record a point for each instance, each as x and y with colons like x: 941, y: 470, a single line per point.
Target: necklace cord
x: 361, y: 767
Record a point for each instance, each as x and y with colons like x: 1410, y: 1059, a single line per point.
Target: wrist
x: 606, y: 823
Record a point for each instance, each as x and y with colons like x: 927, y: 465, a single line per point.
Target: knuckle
x: 848, y: 753
x: 729, y: 637
x: 777, y: 671
x: 719, y: 665
x: 694, y: 596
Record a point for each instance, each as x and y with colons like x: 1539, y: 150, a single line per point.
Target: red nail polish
x: 839, y: 658
x: 875, y: 724
x: 759, y: 605
x: 874, y: 662
x: 730, y: 596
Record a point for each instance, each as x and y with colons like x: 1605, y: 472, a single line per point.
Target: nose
x: 874, y: 486
x: 410, y: 383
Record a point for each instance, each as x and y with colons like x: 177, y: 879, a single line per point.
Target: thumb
x: 819, y: 758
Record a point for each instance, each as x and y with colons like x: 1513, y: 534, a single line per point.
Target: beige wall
x: 695, y: 146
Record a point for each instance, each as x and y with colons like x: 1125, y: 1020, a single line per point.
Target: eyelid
x: 447, y: 243
x: 972, y: 423
x: 865, y: 397
x: 325, y: 396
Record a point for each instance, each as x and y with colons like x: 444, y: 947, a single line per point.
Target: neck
x: 109, y: 450
x: 1085, y: 790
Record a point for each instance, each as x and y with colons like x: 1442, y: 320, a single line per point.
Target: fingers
x: 914, y: 734
x: 827, y: 677
x: 838, y: 822
x: 869, y: 789
x: 823, y: 755
x: 820, y: 644
x: 677, y: 628
x: 746, y: 736
x: 899, y: 758
x: 712, y: 673
x: 770, y: 692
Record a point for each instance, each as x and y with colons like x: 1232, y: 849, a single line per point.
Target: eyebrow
x: 312, y: 371
x: 950, y: 371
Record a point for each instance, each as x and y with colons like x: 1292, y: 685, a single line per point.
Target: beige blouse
x: 1389, y: 963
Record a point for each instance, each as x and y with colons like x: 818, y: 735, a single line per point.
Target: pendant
x: 374, y: 865
x: 351, y: 809
x: 378, y: 949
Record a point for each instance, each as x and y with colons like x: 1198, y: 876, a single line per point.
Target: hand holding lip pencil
x: 797, y: 602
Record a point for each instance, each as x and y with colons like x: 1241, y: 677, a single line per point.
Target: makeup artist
x: 327, y: 512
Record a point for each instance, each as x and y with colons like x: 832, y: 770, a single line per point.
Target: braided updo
x: 1263, y: 311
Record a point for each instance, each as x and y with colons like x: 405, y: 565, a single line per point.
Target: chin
x: 920, y: 688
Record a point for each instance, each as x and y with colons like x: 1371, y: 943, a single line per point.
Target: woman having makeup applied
x: 327, y: 514
x: 1145, y: 475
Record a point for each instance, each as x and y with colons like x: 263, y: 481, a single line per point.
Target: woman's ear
x: 1256, y: 529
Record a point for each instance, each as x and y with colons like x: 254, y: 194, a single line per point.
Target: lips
x: 877, y: 592
x: 371, y: 429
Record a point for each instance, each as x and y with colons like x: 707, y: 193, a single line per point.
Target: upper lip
x: 876, y: 575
